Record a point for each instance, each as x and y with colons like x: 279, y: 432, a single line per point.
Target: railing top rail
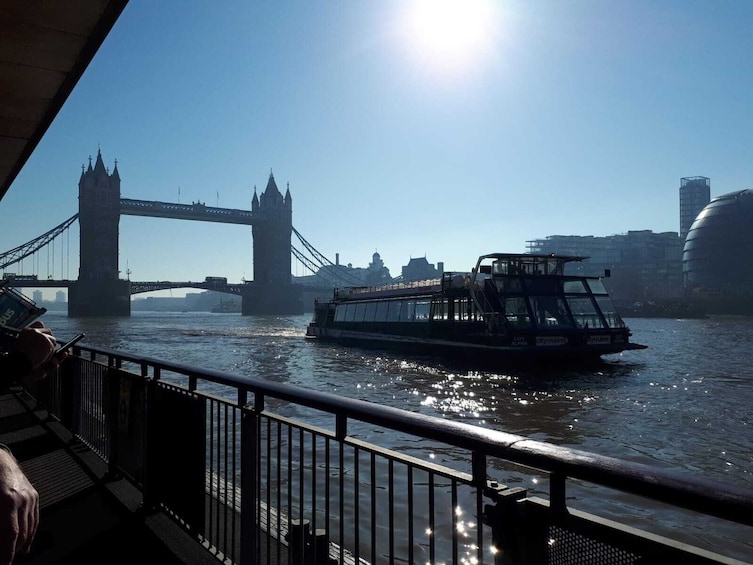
x: 694, y: 493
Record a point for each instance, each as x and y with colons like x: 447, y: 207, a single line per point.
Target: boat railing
x: 259, y: 471
x: 410, y: 285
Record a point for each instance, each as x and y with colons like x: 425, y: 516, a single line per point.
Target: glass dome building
x: 717, y: 259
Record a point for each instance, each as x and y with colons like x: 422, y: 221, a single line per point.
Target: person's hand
x: 38, y: 344
x: 19, y: 509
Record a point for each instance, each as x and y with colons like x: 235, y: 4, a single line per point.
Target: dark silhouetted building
x: 419, y: 269
x: 376, y: 272
x: 695, y: 193
x: 717, y: 266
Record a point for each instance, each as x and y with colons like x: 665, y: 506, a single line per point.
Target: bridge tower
x: 273, y: 290
x: 99, y: 291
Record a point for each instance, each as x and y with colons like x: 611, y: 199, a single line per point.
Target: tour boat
x: 510, y: 306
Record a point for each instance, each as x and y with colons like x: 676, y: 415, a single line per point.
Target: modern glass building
x: 695, y: 193
x: 716, y: 258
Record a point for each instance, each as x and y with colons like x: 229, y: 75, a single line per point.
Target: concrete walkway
x: 85, y: 516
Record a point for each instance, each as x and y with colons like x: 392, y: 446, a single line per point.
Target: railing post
x: 70, y: 390
x: 111, y: 393
x: 298, y: 536
x: 320, y: 542
x: 249, y: 479
x: 150, y: 497
x: 504, y: 517
x: 557, y: 501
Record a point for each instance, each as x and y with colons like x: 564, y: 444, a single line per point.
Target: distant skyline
x: 413, y: 128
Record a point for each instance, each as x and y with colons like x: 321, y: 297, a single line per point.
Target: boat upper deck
x: 511, y: 264
x: 494, y: 264
x: 428, y: 286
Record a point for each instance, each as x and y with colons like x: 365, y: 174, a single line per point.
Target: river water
x: 684, y: 403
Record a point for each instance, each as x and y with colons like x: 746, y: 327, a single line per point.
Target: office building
x: 643, y: 266
x: 695, y: 193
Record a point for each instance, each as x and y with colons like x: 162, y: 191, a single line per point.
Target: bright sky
x: 414, y: 128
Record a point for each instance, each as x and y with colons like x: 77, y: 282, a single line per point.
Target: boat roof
x: 524, y: 257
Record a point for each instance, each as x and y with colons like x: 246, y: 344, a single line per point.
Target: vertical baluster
x: 454, y: 502
x: 279, y: 488
x: 432, y: 532
x: 410, y: 513
x: 391, y: 507
x: 357, y: 503
x: 327, y: 455
x: 373, y: 507
x: 226, y: 476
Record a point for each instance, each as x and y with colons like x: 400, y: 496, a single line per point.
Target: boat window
x: 422, y: 310
x: 516, y: 312
x: 369, y: 312
x: 609, y: 311
x: 499, y: 268
x: 381, y: 311
x: 407, y: 310
x: 340, y: 312
x: 597, y: 287
x: 393, y: 312
x: 584, y: 312
x: 350, y: 312
x: 509, y: 286
x: 439, y: 310
x: 360, y: 309
x: 462, y: 310
x: 574, y: 287
x: 542, y: 286
x: 552, y: 267
x: 550, y: 312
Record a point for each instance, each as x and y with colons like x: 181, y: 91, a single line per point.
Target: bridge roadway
x: 150, y: 286
x: 136, y: 287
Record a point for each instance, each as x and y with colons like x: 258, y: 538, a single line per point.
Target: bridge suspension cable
x: 335, y: 273
x: 316, y: 262
x: 31, y: 247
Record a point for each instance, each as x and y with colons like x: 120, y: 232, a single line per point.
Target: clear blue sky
x: 398, y: 130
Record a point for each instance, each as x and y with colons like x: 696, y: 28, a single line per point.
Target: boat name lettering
x: 599, y: 339
x: 519, y: 340
x: 551, y: 340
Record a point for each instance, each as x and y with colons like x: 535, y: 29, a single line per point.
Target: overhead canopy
x: 46, y: 45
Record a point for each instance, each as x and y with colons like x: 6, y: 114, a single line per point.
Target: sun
x: 450, y: 34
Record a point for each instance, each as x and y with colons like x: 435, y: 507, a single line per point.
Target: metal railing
x: 263, y: 472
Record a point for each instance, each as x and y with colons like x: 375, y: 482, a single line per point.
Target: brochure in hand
x: 16, y: 310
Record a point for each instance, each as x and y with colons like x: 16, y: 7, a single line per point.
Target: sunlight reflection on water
x: 685, y: 403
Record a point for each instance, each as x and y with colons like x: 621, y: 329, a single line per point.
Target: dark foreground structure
x: 137, y: 458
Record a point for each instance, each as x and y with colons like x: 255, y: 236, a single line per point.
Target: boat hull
x: 486, y: 354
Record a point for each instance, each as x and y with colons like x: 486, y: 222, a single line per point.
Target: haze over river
x: 684, y: 403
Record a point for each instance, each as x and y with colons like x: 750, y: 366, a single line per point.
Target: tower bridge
x: 99, y: 291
